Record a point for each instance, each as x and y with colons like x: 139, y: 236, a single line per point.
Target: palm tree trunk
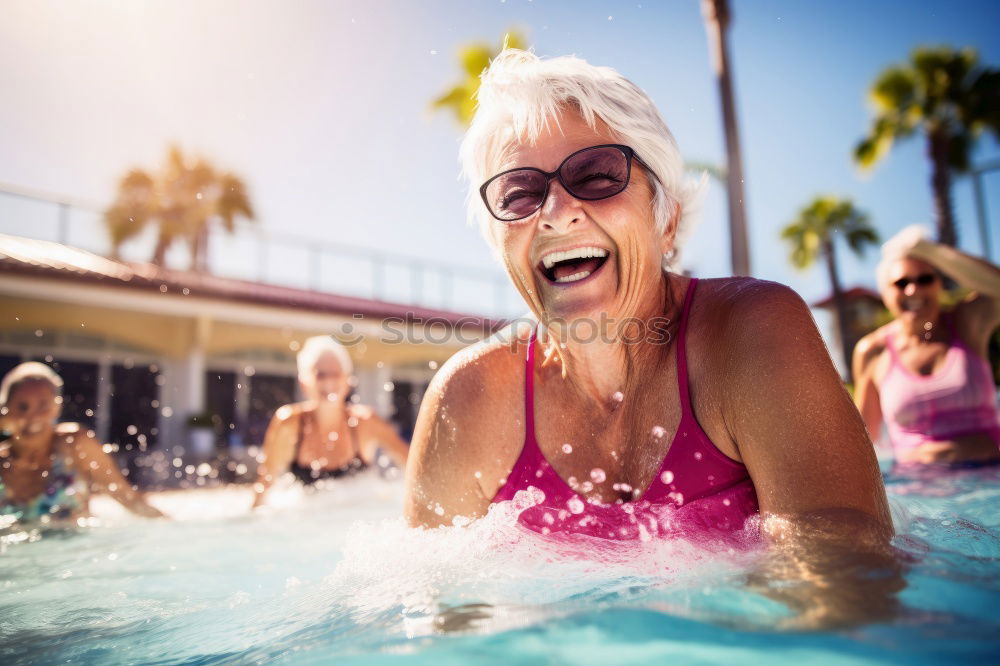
x: 716, y: 13
x: 199, y: 250
x: 937, y: 151
x: 160, y: 252
x: 839, y: 307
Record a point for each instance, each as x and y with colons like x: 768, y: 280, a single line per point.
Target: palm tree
x: 474, y: 58
x: 717, y: 17
x: 812, y: 234
x: 184, y: 199
x: 945, y: 94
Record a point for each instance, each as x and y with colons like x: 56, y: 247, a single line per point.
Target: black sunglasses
x: 922, y: 280
x: 590, y: 174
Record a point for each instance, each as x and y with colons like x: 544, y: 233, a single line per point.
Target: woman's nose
x: 560, y: 210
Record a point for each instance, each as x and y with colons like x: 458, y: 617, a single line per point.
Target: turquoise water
x: 336, y: 576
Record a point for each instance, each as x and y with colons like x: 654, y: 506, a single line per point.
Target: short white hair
x: 314, y: 348
x: 521, y: 91
x: 896, y: 248
x: 27, y: 373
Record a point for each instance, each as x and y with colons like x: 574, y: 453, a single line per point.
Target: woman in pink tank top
x: 635, y: 402
x: 925, y: 374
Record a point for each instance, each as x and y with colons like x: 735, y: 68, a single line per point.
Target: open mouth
x: 573, y: 265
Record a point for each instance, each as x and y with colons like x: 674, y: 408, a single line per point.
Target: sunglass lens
x: 597, y: 173
x: 922, y: 280
x: 516, y: 194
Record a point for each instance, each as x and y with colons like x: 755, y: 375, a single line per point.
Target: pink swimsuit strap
x: 696, y: 485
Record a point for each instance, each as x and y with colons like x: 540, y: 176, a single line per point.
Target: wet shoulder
x: 484, y: 378
x: 728, y: 312
x: 740, y: 326
x: 73, y: 441
x: 871, y: 348
x: 70, y: 436
x: 290, y: 413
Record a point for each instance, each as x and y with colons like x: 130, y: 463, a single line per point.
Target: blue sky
x: 322, y: 107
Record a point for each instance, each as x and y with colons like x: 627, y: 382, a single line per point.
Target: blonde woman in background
x: 324, y: 437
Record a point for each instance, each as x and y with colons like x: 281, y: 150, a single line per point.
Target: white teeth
x: 553, y: 258
x: 574, y: 277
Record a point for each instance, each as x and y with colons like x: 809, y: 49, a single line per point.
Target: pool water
x: 335, y: 575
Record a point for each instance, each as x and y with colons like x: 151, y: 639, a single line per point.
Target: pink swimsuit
x: 696, y: 486
x: 959, y: 399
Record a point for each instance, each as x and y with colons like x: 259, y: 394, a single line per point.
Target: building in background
x: 147, y: 353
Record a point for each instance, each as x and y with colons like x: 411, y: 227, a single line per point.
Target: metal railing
x: 278, y: 258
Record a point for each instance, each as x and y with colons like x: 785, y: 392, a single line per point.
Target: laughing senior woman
x: 717, y: 399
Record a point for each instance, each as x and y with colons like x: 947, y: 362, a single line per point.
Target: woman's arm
x: 279, y: 449
x: 866, y: 397
x: 101, y: 471
x: 449, y: 472
x: 981, y: 311
x: 373, y: 432
x: 822, y: 501
x: 971, y: 272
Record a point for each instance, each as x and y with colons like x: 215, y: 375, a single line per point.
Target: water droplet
x: 575, y: 505
x: 598, y: 475
x: 617, y: 396
x: 566, y: 448
x: 132, y: 430
x: 667, y: 477
x: 659, y: 431
x: 433, y: 365
x: 697, y: 455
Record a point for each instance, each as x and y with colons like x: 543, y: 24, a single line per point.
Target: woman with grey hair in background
x: 324, y: 437
x: 925, y: 374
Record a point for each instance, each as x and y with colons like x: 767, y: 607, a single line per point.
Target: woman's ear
x: 668, y: 238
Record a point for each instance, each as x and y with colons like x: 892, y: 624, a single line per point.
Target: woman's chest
x: 603, y: 456
x: 926, y: 360
x: 24, y: 480
x: 326, y: 448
